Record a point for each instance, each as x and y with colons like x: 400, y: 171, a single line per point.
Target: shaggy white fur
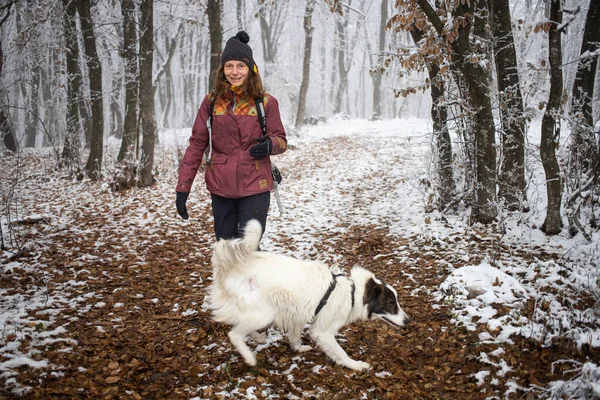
x: 253, y: 289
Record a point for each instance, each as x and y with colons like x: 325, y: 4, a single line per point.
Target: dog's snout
x: 406, y: 320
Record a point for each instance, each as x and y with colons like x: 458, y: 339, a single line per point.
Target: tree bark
x: 239, y: 14
x: 477, y: 77
x: 512, y: 169
x: 308, y: 31
x: 550, y: 124
x: 32, y: 95
x: 94, y: 162
x: 8, y: 137
x: 584, y: 150
x: 267, y: 39
x: 72, y: 144
x: 271, y: 17
x: 439, y: 116
x: 130, y: 62
x: 216, y: 37
x: 147, y: 93
x: 377, y: 75
x: 342, y: 45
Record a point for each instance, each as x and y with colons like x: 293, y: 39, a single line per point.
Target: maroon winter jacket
x: 232, y: 172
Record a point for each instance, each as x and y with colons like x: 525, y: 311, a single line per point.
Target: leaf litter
x: 108, y: 298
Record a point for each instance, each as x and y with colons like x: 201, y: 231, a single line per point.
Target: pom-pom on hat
x: 237, y: 49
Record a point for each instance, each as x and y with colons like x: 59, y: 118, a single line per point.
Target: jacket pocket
x: 255, y: 175
x: 216, y: 173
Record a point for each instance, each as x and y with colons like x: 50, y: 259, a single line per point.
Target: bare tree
x: 439, y: 116
x: 213, y: 10
x: 581, y: 181
x: 470, y: 61
x: 239, y: 14
x: 512, y: 167
x: 8, y: 137
x: 308, y: 31
x: 72, y: 143
x: 147, y: 93
x: 343, y: 58
x: 130, y: 62
x: 377, y: 74
x: 270, y: 16
x: 583, y: 143
x: 94, y: 162
x: 551, y: 124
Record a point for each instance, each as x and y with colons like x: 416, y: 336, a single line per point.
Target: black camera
x: 276, y: 174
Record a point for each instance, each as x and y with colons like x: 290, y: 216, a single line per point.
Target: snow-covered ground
x: 338, y: 174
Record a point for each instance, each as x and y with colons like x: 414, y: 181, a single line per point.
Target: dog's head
x: 380, y: 300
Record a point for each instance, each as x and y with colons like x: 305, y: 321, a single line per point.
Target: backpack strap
x: 208, y: 154
x: 260, y: 111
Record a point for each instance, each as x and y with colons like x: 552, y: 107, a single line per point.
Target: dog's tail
x: 232, y: 254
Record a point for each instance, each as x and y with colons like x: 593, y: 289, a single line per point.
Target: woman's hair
x: 252, y: 86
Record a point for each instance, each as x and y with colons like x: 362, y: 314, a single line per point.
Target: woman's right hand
x: 180, y: 203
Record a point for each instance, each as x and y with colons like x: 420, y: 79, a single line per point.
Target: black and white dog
x: 252, y: 289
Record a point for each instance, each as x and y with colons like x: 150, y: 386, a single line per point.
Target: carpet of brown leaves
x: 137, y: 346
x: 130, y: 291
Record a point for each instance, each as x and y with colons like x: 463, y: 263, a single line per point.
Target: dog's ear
x: 371, y: 297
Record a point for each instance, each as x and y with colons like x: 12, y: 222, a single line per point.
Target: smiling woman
x: 235, y: 72
x: 239, y: 176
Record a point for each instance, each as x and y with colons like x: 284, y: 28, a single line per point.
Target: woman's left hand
x: 262, y: 149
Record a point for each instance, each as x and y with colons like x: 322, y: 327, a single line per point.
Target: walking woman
x: 238, y: 172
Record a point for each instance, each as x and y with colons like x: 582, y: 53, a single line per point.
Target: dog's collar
x: 328, y: 293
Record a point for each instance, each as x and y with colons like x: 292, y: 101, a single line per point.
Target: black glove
x: 180, y: 203
x: 262, y: 148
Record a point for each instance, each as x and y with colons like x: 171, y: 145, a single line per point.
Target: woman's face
x: 236, y: 72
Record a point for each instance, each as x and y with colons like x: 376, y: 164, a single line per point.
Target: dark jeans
x: 231, y: 215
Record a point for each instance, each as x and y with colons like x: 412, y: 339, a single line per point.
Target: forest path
x: 126, y: 282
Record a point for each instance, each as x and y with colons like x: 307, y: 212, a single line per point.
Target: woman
x: 238, y: 174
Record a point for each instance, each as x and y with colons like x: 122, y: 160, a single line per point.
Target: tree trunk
x: 239, y: 14
x: 512, y: 168
x: 72, y: 144
x: 439, y: 116
x: 308, y: 31
x: 271, y: 16
x: 477, y: 78
x: 377, y: 75
x: 94, y: 162
x: 147, y: 93
x: 551, y: 124
x: 342, y: 43
x: 130, y: 63
x: 216, y: 37
x: 583, y: 142
x: 470, y: 61
x: 266, y: 38
x: 8, y: 137
x: 32, y: 95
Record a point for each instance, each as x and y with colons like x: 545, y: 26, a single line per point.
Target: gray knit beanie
x: 238, y: 50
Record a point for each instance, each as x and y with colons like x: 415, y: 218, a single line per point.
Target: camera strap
x: 262, y: 118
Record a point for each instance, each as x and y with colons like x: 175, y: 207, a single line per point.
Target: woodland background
x: 75, y: 74
x: 96, y: 98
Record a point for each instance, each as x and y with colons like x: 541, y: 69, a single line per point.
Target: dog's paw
x: 258, y: 337
x: 251, y: 361
x: 359, y: 365
x: 303, y: 348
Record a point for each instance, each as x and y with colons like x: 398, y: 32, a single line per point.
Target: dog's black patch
x: 379, y: 299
